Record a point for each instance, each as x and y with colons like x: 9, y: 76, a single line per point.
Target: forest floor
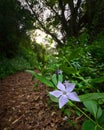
x: 22, y: 108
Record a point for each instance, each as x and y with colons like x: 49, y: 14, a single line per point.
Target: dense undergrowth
x: 25, y: 59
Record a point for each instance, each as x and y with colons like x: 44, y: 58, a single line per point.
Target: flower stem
x: 87, y: 116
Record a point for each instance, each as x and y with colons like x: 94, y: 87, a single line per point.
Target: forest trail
x: 22, y: 108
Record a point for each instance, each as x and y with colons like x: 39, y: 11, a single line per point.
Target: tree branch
x: 43, y: 27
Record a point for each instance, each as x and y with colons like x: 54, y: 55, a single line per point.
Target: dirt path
x: 23, y: 109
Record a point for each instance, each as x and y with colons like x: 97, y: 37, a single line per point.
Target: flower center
x: 64, y: 92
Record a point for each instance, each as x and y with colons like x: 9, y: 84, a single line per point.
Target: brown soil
x: 22, y: 108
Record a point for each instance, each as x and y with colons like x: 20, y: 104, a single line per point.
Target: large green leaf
x: 91, y: 96
x: 41, y: 78
x: 88, y: 125
x: 94, y: 108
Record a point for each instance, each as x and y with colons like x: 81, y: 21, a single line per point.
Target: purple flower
x: 64, y: 93
x: 58, y: 72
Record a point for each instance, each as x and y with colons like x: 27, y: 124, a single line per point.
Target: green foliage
x: 94, y: 108
x: 53, y: 99
x: 89, y: 125
x: 67, y: 112
x: 92, y: 96
x: 5, y: 68
x: 84, y: 63
x: 26, y: 59
x: 41, y: 52
x: 92, y: 102
x: 28, y: 55
x: 14, y: 23
x: 101, y: 119
x: 41, y: 78
x: 54, y: 79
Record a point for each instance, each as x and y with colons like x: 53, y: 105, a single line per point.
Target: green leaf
x: 41, y: 78
x: 54, y: 79
x: 67, y: 112
x: 94, y: 108
x: 75, y: 54
x: 91, y: 96
x: 101, y: 120
x: 99, y: 112
x: 60, y: 77
x: 88, y: 125
x: 54, y: 99
x: 68, y: 70
x: 98, y: 80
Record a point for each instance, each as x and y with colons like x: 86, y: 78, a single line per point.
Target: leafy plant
x: 64, y: 95
x: 26, y: 59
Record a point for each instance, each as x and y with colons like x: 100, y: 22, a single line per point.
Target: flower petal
x: 60, y: 86
x: 69, y: 86
x: 56, y: 93
x: 73, y: 96
x: 62, y: 101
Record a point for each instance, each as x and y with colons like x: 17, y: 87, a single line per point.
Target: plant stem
x: 87, y: 116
